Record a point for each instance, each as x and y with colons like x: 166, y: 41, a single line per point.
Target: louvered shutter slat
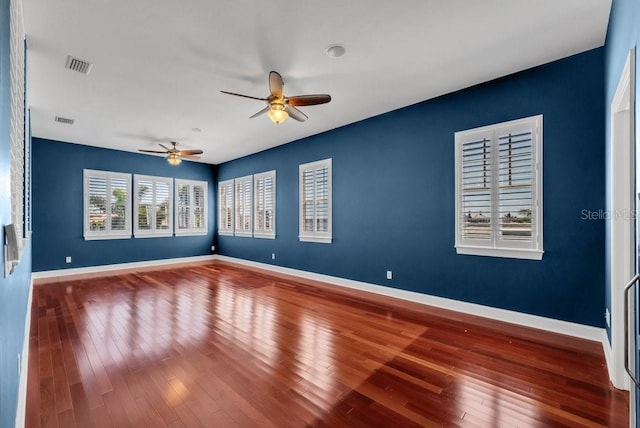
x: 162, y: 201
x: 145, y: 201
x: 516, y: 186
x: 97, y: 188
x: 476, y: 189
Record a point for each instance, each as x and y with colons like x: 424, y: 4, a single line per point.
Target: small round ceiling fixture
x: 336, y: 51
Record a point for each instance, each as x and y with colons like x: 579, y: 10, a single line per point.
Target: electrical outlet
x: 67, y: 259
x: 213, y: 248
x: 273, y: 256
x: 607, y: 317
x: 389, y: 274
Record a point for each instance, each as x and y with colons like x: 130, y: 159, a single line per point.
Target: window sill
x: 191, y: 233
x: 264, y: 235
x: 153, y: 235
x: 318, y: 239
x: 103, y: 237
x: 225, y: 233
x: 510, y: 253
x: 244, y: 234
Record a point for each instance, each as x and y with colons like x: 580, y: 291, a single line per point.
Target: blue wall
x: 58, y: 207
x: 379, y: 224
x: 14, y: 290
x: 623, y: 34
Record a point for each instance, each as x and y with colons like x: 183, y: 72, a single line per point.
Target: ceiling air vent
x: 79, y: 65
x: 64, y: 120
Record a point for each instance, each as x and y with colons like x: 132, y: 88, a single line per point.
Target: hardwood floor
x: 219, y: 345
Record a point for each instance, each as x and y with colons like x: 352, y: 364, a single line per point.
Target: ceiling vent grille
x: 79, y: 65
x: 64, y: 120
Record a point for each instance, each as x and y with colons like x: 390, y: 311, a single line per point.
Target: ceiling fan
x: 174, y: 155
x: 279, y: 106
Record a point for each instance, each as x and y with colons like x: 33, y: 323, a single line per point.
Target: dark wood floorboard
x: 219, y: 345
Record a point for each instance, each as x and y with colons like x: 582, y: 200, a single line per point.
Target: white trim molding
x: 621, y: 238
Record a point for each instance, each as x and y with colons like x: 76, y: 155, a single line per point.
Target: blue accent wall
x: 58, y: 207
x: 623, y: 34
x: 393, y: 196
x: 14, y: 290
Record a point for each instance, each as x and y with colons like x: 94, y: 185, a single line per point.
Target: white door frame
x: 622, y: 215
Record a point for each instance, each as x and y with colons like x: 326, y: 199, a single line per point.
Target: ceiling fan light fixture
x: 277, y: 113
x: 174, y: 159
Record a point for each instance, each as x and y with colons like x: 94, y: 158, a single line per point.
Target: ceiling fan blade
x: 189, y: 152
x: 164, y: 147
x: 244, y: 96
x: 194, y: 157
x: 295, y: 113
x: 308, y: 100
x: 152, y: 151
x: 276, y: 84
x: 263, y: 111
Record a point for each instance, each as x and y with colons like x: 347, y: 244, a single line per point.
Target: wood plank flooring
x: 219, y: 345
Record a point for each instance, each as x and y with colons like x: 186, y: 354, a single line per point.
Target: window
x: 107, y: 205
x: 225, y: 204
x: 153, y: 206
x: 264, y: 215
x: 499, y: 190
x: 247, y: 206
x: 191, y: 207
x: 243, y: 199
x: 315, y: 201
x: 20, y: 158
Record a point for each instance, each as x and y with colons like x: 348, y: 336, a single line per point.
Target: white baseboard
x: 24, y: 364
x: 519, y: 318
x: 119, y: 266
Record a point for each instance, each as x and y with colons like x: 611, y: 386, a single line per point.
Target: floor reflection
x: 217, y: 343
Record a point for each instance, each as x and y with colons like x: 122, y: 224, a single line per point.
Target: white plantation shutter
x: 499, y: 190
x: 153, y: 206
x: 516, y: 186
x: 315, y: 201
x: 164, y: 205
x: 144, y: 207
x: 243, y: 206
x: 264, y: 204
x: 183, y: 200
x: 198, y: 206
x: 476, y: 163
x: 19, y: 161
x: 225, y: 204
x: 191, y: 207
x: 308, y: 201
x: 107, y: 205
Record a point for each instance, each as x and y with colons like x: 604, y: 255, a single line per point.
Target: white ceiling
x: 159, y: 65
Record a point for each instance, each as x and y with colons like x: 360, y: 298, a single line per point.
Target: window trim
x: 192, y: 231
x: 496, y: 248
x: 153, y: 232
x: 90, y: 235
x: 222, y: 206
x: 236, y: 206
x: 257, y: 232
x: 317, y: 237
